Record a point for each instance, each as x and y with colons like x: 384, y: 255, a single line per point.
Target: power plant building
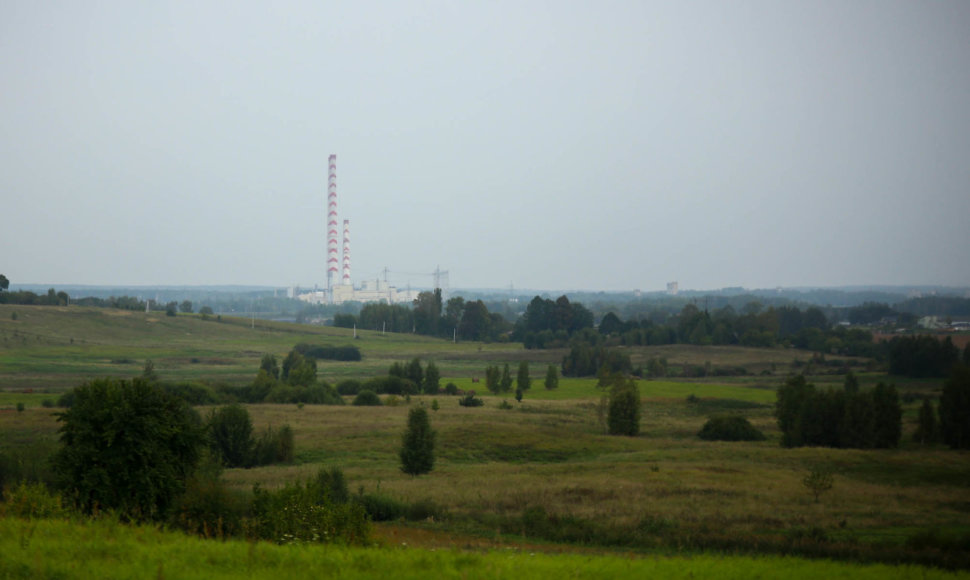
x: 370, y: 290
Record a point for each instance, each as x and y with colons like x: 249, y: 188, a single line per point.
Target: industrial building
x: 368, y: 291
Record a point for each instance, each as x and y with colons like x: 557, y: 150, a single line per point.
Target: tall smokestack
x: 346, y: 280
x: 332, y: 233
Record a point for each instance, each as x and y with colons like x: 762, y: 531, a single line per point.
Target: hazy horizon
x: 611, y: 147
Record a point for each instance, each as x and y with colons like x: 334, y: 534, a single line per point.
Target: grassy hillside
x: 495, y: 466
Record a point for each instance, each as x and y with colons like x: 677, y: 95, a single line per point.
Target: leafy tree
x: 818, y: 481
x: 4, y: 283
x: 493, y: 379
x: 230, y: 432
x: 955, y: 408
x: 432, y: 379
x: 367, y: 398
x: 475, y: 322
x: 186, y: 306
x: 270, y: 365
x: 171, y: 308
x: 126, y: 446
x: 298, y: 370
x: 148, y: 372
x: 417, y: 446
x: 928, y: 430
x: 505, y: 384
x: 206, y: 311
x: 522, y: 380
x: 790, y: 398
x: 414, y: 372
x: 552, y: 377
x: 624, y: 407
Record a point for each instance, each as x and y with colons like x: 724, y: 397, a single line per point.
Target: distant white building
x: 369, y: 291
x: 673, y: 288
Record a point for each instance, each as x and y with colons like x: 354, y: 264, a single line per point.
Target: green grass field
x: 494, y: 464
x: 104, y: 549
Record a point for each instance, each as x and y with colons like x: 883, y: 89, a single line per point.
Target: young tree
x: 231, y: 435
x: 492, y: 379
x: 417, y: 446
x: 955, y: 408
x: 186, y: 306
x: 505, y: 385
x: 552, y: 377
x: 414, y: 372
x: 432, y: 379
x: 624, y: 407
x: 522, y: 379
x: 4, y: 283
x: 128, y: 447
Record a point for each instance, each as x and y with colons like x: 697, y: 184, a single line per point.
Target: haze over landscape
x: 607, y: 146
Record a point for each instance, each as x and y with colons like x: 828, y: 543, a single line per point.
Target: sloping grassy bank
x: 105, y: 549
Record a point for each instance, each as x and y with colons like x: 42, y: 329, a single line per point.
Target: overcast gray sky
x: 560, y: 145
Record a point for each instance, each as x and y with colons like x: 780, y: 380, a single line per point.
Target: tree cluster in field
x: 585, y: 359
x: 429, y: 316
x: 230, y: 437
x: 27, y: 298
x: 326, y: 352
x: 844, y: 418
x: 924, y: 356
x: 624, y: 406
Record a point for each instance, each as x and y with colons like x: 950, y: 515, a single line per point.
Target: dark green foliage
x: 348, y: 387
x: 128, y: 447
x: 367, y: 398
x: 230, y: 432
x: 624, y: 407
x: 888, y: 416
x: 324, y: 352
x: 730, y: 428
x: 298, y: 370
x: 307, y: 513
x: 171, y: 309
x: 332, y: 486
x: 270, y: 365
x: 921, y: 356
x: 493, y: 379
x: 928, y: 429
x: 586, y: 360
x: 552, y: 377
x: 955, y: 409
x: 274, y: 446
x: 344, y: 320
x: 432, y: 379
x: 417, y: 445
x: 505, y: 383
x: 192, y: 393
x: 451, y: 389
x: 522, y: 380
x: 390, y: 385
x: 836, y: 418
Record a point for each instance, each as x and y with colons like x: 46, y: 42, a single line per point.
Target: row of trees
x: 428, y: 316
x: 924, y: 356
x: 846, y: 418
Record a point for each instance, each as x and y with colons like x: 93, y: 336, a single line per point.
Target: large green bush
x: 729, y: 428
x: 128, y: 447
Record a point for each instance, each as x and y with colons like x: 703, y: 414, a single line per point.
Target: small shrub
x: 381, y: 508
x: 20, y: 407
x: 451, y: 389
x: 393, y: 400
x: 470, y: 400
x: 48, y: 403
x: 505, y: 405
x: 729, y: 428
x: 367, y: 398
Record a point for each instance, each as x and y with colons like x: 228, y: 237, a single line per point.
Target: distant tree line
x: 428, y: 316
x: 27, y: 298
